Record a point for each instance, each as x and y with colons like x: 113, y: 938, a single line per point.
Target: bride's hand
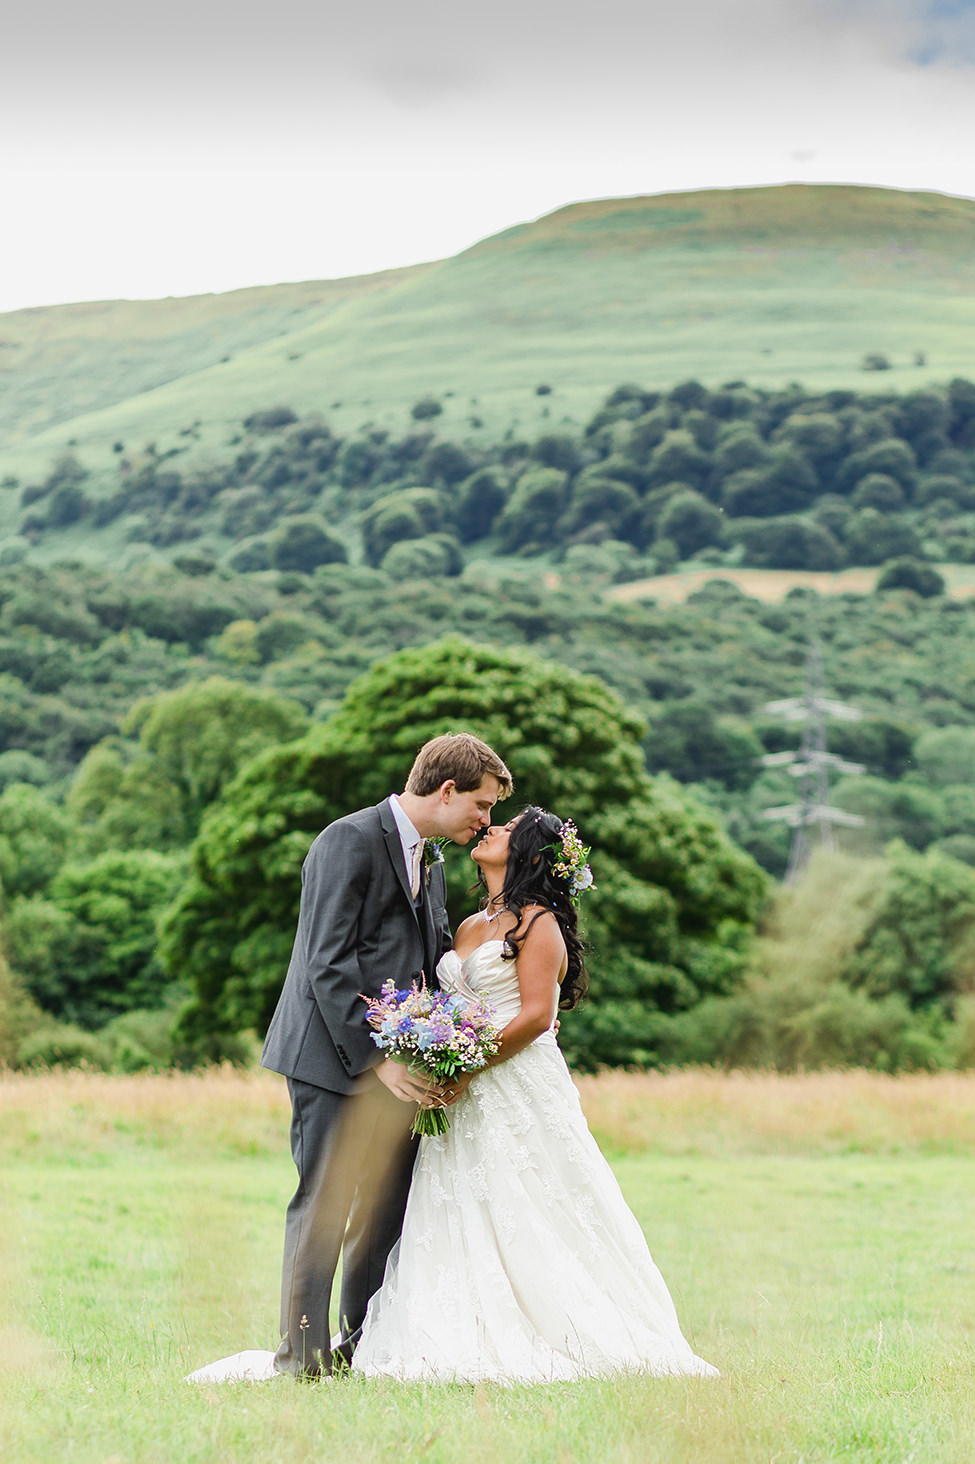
x: 453, y: 1089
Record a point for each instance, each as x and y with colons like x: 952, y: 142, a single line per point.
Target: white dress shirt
x: 408, y: 837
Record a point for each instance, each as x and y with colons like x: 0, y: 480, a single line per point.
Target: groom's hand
x: 408, y: 1087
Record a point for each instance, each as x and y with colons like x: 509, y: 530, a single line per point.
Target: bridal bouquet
x: 437, y: 1033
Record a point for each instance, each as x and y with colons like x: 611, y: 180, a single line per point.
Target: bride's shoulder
x: 531, y: 910
x: 533, y: 918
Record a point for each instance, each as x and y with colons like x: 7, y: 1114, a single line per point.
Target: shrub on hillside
x: 878, y: 490
x: 911, y: 574
x: 598, y: 500
x: 526, y: 522
x: 445, y: 463
x: 646, y: 433
x: 557, y: 450
x: 872, y: 537
x: 921, y: 419
x: 268, y: 418
x: 939, y: 487
x: 425, y: 408
x: 303, y: 543
x: 679, y: 457
x: 252, y: 557
x: 961, y: 412
x: 480, y: 498
x: 787, y: 543
x: 890, y: 456
x: 739, y: 447
x: 691, y: 522
x: 785, y: 483
x: 412, y: 513
x: 426, y: 558
x: 818, y: 435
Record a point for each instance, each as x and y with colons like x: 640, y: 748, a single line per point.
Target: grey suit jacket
x: 357, y: 927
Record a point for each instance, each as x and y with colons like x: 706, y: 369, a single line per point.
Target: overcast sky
x: 150, y: 150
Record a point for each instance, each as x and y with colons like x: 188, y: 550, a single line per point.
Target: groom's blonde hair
x: 459, y: 757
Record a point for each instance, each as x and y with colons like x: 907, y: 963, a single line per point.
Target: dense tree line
x: 78, y: 647
x: 783, y: 479
x: 131, y: 701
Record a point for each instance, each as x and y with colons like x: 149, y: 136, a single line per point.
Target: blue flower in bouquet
x: 433, y: 1032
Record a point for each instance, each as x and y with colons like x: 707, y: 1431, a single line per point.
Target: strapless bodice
x: 486, y: 972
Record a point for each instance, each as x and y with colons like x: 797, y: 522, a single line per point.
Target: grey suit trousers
x: 358, y: 1178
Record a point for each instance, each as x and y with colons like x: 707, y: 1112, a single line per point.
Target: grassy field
x: 815, y: 1231
x: 771, y: 285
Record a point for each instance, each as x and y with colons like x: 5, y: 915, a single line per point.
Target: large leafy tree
x: 180, y: 747
x: 674, y: 897
x: 87, y: 951
x: 34, y: 836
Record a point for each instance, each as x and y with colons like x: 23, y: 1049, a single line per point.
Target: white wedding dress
x: 519, y: 1259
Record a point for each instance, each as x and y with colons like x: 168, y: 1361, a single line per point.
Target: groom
x: 370, y: 912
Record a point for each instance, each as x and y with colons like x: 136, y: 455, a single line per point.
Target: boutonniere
x: 433, y: 854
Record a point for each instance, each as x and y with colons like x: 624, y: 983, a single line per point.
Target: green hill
x: 776, y: 284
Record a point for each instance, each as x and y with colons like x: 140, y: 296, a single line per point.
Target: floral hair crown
x: 571, y: 859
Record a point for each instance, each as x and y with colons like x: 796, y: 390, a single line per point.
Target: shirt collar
x: 409, y: 836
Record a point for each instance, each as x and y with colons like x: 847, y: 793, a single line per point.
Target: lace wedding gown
x: 519, y: 1258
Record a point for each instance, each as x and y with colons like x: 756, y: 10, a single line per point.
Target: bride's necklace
x: 489, y: 919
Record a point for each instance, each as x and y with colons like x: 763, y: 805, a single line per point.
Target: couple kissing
x: 502, y: 1248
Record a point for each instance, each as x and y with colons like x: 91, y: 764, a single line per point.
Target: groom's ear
x: 446, y: 789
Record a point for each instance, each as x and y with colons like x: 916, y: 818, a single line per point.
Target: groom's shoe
x: 316, y: 1367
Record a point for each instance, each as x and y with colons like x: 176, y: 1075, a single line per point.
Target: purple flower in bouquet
x: 433, y: 1032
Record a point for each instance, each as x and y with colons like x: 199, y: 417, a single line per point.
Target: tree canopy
x: 673, y: 895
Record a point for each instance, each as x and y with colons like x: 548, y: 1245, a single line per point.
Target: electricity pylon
x: 811, y: 764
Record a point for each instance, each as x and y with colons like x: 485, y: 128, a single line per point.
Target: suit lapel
x: 394, y: 848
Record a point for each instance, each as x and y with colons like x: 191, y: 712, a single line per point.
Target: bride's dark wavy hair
x: 534, y: 846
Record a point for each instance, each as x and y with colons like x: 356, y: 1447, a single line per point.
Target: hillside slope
x: 63, y: 361
x: 776, y: 284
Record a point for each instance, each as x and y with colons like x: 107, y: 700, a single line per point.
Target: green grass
x: 834, y: 1290
x: 771, y: 285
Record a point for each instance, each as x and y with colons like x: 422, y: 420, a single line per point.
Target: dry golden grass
x: 722, y: 1114
x: 772, y: 585
x: 693, y: 1111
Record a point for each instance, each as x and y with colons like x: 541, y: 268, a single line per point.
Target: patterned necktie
x: 415, y: 869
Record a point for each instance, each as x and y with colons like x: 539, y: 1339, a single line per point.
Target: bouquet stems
x: 431, y: 1121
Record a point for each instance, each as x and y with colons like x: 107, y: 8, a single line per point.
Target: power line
x: 811, y: 765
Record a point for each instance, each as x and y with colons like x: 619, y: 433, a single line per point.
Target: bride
x: 519, y: 1258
